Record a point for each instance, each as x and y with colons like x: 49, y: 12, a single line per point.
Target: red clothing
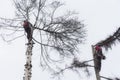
x: 99, y: 54
x: 98, y: 48
x: 26, y: 24
x: 98, y: 57
x: 27, y: 30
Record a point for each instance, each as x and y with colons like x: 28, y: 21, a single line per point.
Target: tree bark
x: 28, y: 65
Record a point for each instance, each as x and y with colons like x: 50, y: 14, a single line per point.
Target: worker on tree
x: 27, y: 26
x: 98, y: 57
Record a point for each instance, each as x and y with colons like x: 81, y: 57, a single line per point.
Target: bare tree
x: 62, y: 33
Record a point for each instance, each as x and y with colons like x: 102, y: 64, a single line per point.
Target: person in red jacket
x: 98, y: 57
x: 27, y: 27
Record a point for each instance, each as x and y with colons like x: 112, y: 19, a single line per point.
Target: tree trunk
x: 96, y: 71
x: 28, y: 65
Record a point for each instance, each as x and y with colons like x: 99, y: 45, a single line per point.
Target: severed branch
x: 76, y: 64
x: 108, y: 42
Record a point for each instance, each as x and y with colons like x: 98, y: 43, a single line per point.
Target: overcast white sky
x: 101, y: 17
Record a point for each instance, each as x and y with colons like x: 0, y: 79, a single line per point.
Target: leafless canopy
x: 61, y: 32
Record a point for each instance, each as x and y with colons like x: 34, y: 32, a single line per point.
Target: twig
x: 106, y: 78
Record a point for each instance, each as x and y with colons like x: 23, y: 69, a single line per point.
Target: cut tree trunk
x: 96, y: 71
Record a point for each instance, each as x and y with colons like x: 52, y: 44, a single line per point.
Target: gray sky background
x: 101, y: 17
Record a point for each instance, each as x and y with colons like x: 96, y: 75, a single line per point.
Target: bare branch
x: 76, y: 64
x: 110, y: 78
x: 12, y: 38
